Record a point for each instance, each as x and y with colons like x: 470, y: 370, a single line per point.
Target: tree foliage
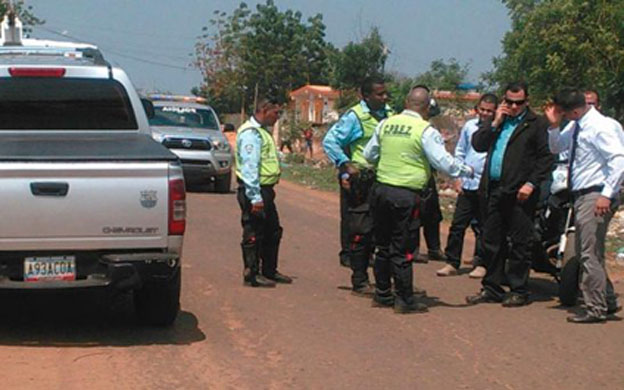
x: 441, y: 75
x: 25, y: 13
x: 555, y: 43
x: 444, y: 75
x: 266, y: 51
x: 358, y: 60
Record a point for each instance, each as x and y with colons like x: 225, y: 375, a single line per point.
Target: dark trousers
x: 430, y: 218
x: 344, y: 227
x: 360, y: 227
x: 468, y: 212
x: 262, y: 233
x: 506, y: 217
x: 396, y: 215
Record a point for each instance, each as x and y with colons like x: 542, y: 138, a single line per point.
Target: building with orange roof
x: 315, y: 103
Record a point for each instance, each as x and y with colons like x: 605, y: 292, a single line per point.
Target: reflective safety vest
x: 402, y: 160
x: 368, y: 124
x: 269, y: 163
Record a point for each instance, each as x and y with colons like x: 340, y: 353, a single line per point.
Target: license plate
x: 38, y: 269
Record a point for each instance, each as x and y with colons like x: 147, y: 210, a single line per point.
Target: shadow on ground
x: 85, y: 319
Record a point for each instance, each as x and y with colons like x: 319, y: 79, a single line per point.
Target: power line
x: 128, y: 56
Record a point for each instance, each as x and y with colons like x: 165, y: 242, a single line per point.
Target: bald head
x: 418, y: 100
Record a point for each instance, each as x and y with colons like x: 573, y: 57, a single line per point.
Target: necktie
x: 575, y: 134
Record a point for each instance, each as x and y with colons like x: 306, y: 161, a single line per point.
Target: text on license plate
x: 49, y: 268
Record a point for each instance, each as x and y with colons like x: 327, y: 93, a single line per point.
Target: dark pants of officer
x: 506, y: 217
x: 360, y: 227
x: 430, y: 218
x: 396, y: 214
x: 468, y: 212
x: 344, y: 227
x: 261, y: 233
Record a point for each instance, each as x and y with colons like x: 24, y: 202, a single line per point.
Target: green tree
x: 554, y: 43
x: 266, y: 51
x: 356, y: 61
x: 444, y: 75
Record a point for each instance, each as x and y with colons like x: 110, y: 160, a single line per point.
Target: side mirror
x: 228, y: 128
x: 148, y: 106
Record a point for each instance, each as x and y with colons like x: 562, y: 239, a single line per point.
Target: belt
x: 584, y: 191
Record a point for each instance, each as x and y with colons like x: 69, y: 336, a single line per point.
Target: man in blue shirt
x: 468, y: 206
x: 518, y: 161
x: 257, y: 172
x: 344, y: 145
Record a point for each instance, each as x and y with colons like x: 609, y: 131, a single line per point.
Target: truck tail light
x: 177, y: 207
x: 37, y: 72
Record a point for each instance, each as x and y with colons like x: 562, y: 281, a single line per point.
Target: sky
x: 153, y: 40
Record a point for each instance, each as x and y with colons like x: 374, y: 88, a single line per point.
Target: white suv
x: 192, y: 131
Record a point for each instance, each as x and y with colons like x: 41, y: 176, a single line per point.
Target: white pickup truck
x: 88, y: 198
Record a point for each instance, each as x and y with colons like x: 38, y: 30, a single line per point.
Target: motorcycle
x: 553, y: 248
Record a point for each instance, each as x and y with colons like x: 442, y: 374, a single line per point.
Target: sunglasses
x: 516, y: 102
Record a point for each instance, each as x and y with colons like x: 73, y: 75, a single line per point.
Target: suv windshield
x: 40, y: 103
x: 184, y: 116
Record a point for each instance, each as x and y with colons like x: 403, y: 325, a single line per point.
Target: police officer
x: 403, y: 147
x: 258, y: 170
x: 344, y: 144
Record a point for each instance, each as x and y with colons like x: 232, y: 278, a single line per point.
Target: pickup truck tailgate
x: 73, y: 205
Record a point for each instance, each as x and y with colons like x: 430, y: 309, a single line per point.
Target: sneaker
x: 478, y: 272
x: 447, y: 270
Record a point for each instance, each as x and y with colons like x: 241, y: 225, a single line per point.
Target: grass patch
x: 312, y: 174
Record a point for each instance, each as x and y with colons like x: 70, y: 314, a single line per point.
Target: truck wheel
x: 158, y: 303
x: 569, y: 275
x: 223, y: 183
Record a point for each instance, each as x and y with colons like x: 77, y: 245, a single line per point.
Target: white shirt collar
x: 412, y: 113
x: 254, y: 122
x: 589, y: 115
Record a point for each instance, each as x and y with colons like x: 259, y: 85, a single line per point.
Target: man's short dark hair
x: 569, y: 99
x: 517, y: 86
x: 367, y: 85
x: 423, y: 86
x: 266, y: 102
x: 591, y: 90
x: 489, y: 98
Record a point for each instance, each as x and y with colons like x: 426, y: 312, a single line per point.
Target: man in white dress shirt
x: 596, y: 149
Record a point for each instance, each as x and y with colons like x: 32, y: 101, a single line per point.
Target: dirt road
x: 309, y: 335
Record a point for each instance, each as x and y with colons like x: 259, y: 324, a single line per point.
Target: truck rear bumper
x: 116, y: 271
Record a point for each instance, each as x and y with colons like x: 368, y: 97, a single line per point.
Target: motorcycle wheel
x: 569, y: 275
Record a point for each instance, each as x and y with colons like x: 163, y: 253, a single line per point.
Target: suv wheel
x: 157, y: 303
x: 223, y: 183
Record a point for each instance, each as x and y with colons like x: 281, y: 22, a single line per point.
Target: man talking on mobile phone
x: 518, y: 160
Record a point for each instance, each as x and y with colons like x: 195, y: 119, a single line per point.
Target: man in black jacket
x: 518, y: 160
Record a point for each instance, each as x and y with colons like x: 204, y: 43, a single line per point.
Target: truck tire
x: 570, y: 274
x: 158, y: 303
x: 223, y: 183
